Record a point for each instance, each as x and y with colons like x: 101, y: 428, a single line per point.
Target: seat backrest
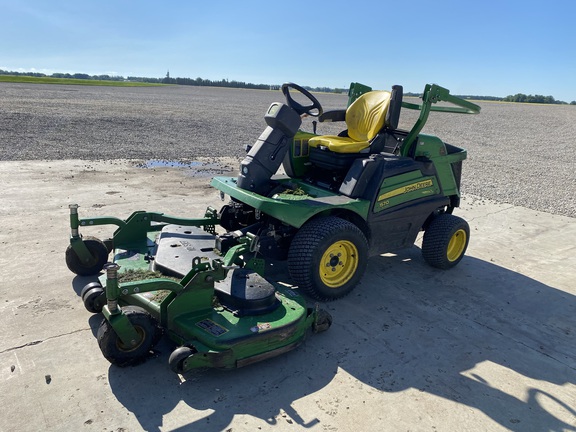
x: 366, y: 116
x: 393, y: 114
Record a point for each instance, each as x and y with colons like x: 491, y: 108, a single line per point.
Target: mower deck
x: 246, y: 319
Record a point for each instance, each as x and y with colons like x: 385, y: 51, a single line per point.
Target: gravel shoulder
x: 519, y: 154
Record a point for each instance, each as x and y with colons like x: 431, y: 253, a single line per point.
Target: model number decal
x: 406, y: 189
x: 211, y: 327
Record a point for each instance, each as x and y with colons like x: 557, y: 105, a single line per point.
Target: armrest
x: 333, y: 116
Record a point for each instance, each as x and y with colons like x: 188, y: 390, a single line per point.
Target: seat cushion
x: 338, y: 144
x: 364, y: 119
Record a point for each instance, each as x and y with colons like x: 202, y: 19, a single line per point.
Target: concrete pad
x: 486, y: 346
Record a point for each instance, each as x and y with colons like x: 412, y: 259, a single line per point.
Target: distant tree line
x: 225, y: 83
x: 65, y: 75
x: 207, y: 83
x: 519, y: 97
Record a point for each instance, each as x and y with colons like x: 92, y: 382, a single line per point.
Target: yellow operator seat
x: 364, y: 118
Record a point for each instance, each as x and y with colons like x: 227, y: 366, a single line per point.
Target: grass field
x: 71, y: 81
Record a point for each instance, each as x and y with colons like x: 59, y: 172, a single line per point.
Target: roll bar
x: 433, y: 93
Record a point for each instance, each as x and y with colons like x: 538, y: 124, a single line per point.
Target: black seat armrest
x: 333, y: 116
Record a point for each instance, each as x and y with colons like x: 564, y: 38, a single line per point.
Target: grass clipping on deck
x: 132, y: 275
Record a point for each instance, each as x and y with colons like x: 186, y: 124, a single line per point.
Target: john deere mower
x: 341, y: 199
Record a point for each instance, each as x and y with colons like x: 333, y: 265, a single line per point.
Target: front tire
x: 327, y: 257
x: 445, y: 241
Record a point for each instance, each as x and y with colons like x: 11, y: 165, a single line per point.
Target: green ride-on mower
x: 369, y: 190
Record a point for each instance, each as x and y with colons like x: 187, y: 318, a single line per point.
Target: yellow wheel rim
x: 122, y: 347
x: 338, y: 264
x: 456, y: 245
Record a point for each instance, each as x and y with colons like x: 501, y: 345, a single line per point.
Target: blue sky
x: 486, y: 47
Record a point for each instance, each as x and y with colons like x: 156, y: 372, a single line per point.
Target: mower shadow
x: 456, y: 333
x: 406, y: 327
x: 265, y: 391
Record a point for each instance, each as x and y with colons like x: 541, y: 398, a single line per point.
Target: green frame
x: 433, y: 94
x: 132, y: 232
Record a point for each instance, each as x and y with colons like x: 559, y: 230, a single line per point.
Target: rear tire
x: 327, y: 257
x: 445, y: 241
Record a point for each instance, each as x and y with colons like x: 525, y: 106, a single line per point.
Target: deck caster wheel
x: 178, y: 357
x: 94, y: 297
x: 120, y: 354
x: 323, y: 321
x: 99, y: 257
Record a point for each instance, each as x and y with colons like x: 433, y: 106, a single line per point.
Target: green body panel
x: 403, y: 188
x: 296, y: 204
x: 434, y: 149
x: 298, y: 156
x: 222, y: 339
x: 226, y: 339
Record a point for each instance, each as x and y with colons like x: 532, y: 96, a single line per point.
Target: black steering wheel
x: 299, y: 108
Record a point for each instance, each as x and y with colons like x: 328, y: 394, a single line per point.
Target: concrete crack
x: 36, y: 342
x: 491, y: 213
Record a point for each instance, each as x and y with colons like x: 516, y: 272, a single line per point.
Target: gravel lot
x: 517, y: 153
